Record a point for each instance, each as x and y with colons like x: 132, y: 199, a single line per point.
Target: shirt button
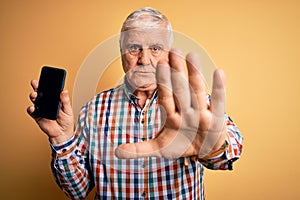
x: 143, y: 121
x: 143, y: 194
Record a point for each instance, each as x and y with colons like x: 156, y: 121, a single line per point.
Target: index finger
x: 165, y: 94
x: 34, y: 84
x: 180, y: 84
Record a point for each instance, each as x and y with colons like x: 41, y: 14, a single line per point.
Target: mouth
x: 144, y: 72
x: 144, y: 69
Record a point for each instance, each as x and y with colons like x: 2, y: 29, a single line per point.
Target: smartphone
x: 51, y: 84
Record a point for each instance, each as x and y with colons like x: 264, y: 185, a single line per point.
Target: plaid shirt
x: 111, y: 118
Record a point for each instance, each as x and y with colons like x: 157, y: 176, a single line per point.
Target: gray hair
x: 147, y: 17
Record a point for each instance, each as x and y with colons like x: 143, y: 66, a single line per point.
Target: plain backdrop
x: 256, y: 42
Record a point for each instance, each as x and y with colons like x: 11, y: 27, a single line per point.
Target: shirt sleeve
x: 69, y: 162
x: 224, y: 160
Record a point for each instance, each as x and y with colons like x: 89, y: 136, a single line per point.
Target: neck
x: 143, y: 96
x: 142, y: 93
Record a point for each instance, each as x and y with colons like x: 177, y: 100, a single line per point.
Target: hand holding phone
x: 52, y: 81
x: 51, y: 84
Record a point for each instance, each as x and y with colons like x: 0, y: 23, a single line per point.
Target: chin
x: 151, y: 86
x: 145, y: 86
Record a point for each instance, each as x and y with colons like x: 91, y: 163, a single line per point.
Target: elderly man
x: 151, y: 136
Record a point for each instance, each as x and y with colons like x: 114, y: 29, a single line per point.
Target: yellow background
x: 256, y: 42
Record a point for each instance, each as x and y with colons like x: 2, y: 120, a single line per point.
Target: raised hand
x: 190, y: 126
x: 59, y: 130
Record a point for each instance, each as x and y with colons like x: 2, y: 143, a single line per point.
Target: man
x: 151, y: 136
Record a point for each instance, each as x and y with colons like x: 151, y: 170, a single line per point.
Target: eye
x: 134, y: 49
x: 156, y: 49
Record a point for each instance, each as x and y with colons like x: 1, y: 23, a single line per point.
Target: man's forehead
x: 146, y: 35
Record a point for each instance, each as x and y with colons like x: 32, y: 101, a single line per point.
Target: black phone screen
x: 51, y: 84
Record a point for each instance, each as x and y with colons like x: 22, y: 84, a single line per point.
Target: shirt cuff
x: 227, y: 154
x: 65, y: 147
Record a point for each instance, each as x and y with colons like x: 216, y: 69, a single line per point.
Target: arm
x: 69, y: 162
x: 69, y: 151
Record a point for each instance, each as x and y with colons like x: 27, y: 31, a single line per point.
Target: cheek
x: 163, y: 57
x: 128, y: 62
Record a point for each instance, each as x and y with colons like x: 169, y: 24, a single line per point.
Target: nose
x: 144, y: 57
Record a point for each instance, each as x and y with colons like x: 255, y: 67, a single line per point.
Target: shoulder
x: 102, y: 97
x: 106, y: 95
x: 109, y: 93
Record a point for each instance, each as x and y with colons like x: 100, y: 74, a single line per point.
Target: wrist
x: 213, y: 154
x: 60, y: 139
x: 217, y: 152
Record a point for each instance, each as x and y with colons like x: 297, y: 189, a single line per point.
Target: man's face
x: 142, y: 49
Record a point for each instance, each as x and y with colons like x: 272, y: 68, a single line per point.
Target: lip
x: 143, y: 72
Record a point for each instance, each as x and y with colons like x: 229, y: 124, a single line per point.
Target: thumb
x: 66, y: 103
x: 137, y: 150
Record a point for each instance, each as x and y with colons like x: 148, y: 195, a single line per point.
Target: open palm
x: 190, y: 125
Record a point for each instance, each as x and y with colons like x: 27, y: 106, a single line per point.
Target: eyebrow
x: 157, y: 44
x: 151, y: 45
